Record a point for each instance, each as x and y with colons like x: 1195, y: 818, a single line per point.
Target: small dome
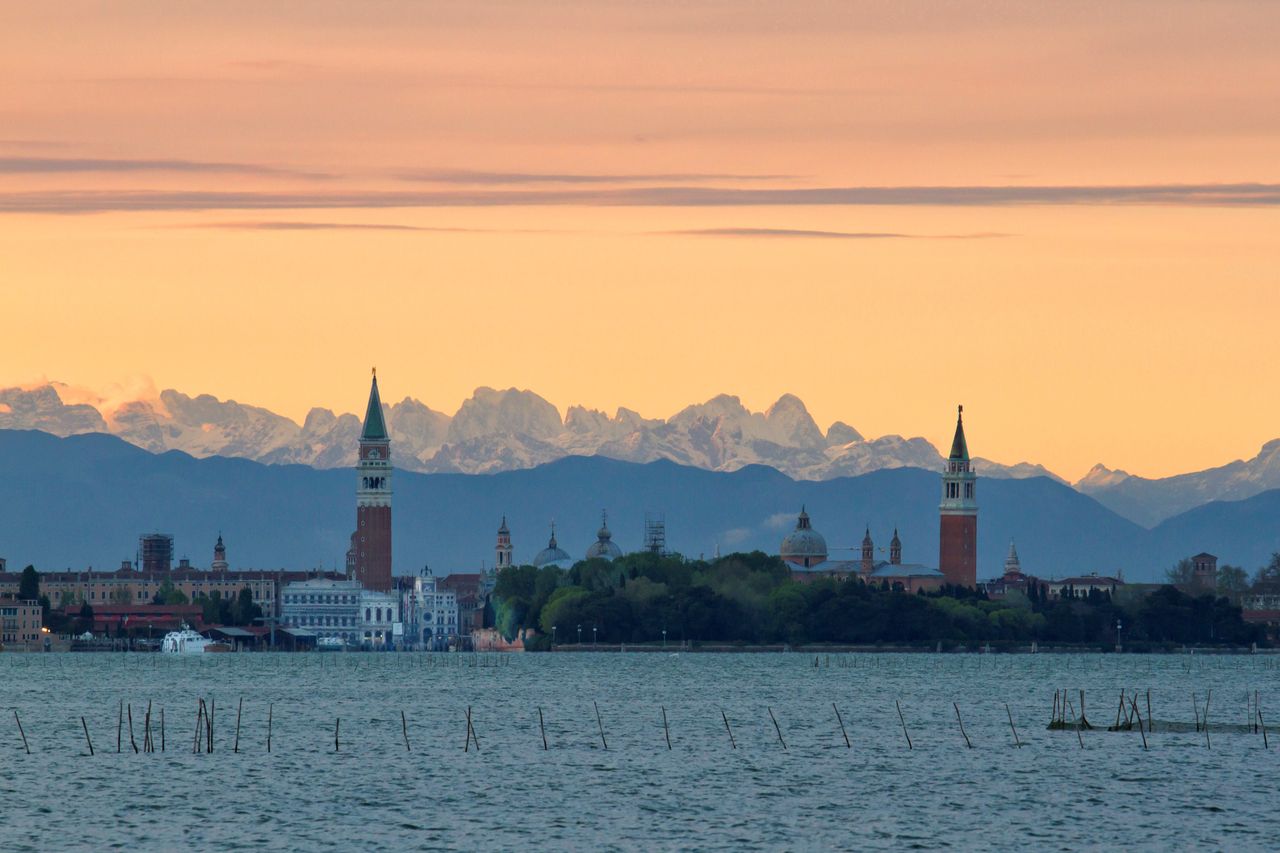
x: 604, y: 546
x: 804, y: 544
x: 553, y: 554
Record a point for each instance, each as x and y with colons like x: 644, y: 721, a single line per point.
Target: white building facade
x: 342, y: 609
x: 430, y: 614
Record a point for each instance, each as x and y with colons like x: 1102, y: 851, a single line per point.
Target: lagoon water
x: 700, y: 794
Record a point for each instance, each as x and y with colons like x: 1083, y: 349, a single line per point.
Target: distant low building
x: 1013, y: 579
x: 1084, y: 584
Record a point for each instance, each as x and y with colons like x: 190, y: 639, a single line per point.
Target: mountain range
x: 82, y: 501
x: 506, y: 430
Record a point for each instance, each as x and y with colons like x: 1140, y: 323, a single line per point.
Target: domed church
x: 553, y: 554
x: 804, y: 546
x: 604, y: 546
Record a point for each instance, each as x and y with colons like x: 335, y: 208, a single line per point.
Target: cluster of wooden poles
x: 1128, y: 713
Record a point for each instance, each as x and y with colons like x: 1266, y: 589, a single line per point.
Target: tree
x: 85, y: 620
x: 1182, y: 574
x: 29, y: 584
x: 167, y: 593
x: 1267, y: 580
x: 1233, y: 583
x: 244, y: 611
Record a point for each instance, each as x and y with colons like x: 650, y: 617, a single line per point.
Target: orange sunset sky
x: 1063, y: 215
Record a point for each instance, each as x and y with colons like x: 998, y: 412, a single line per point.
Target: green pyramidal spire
x: 375, y: 427
x: 959, y: 448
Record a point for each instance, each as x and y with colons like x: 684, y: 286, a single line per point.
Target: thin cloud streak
x: 1170, y: 195
x: 802, y: 233
x: 269, y: 225
x: 74, y: 165
x: 465, y: 177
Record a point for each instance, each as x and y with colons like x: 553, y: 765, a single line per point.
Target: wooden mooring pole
x: 404, y: 730
x: 778, y: 729
x: 132, y: 742
x: 903, y: 720
x: 733, y: 743
x: 239, y: 710
x: 270, y: 708
x: 542, y: 728
x: 600, y: 724
x: 86, y: 735
x: 840, y: 720
x: 18, y: 719
x: 967, y: 742
x: 665, y: 728
x: 1016, y: 742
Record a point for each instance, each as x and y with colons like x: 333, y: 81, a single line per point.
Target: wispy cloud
x: 473, y: 178
x: 293, y: 225
x: 802, y: 233
x: 1173, y: 195
x: 73, y: 165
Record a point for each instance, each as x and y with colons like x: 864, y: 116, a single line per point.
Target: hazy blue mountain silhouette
x: 82, y: 500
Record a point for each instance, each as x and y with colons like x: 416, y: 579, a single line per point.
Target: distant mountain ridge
x: 82, y: 501
x: 1150, y: 502
x: 492, y: 431
x: 512, y: 429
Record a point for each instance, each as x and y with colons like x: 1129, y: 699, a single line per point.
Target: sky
x: 1062, y: 215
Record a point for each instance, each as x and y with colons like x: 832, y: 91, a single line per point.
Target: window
x: 368, y: 614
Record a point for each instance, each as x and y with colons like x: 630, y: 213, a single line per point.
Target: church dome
x: 553, y: 555
x: 604, y: 545
x: 804, y: 545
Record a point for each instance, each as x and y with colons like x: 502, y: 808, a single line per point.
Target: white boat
x: 330, y: 644
x: 185, y: 642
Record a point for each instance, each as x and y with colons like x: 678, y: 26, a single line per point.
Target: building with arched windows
x: 326, y: 607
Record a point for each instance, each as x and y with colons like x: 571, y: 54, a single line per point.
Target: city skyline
x: 1063, y: 219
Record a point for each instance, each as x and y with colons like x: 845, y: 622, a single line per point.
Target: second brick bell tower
x: 958, y: 539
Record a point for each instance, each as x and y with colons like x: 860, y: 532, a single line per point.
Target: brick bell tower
x: 958, y: 540
x: 371, y: 543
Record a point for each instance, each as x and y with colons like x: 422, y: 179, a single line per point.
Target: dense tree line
x: 751, y: 598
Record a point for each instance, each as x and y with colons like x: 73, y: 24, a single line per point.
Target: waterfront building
x: 131, y: 586
x: 604, y: 547
x: 431, y: 617
x: 958, y: 533
x: 21, y: 622
x: 473, y: 590
x: 369, y: 559
x: 338, y: 607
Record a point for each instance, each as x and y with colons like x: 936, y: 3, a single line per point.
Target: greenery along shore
x: 751, y: 598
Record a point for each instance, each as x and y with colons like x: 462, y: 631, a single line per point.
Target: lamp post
x: 594, y: 636
x: 664, y: 638
x: 1119, y: 647
x: 579, y: 635
x: 553, y: 636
